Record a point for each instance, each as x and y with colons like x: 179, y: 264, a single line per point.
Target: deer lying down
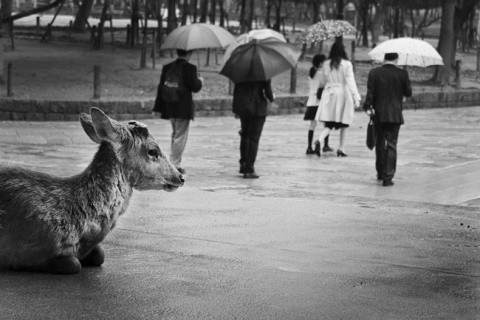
x: 53, y: 224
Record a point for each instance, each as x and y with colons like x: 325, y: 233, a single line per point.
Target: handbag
x: 371, y: 134
x: 319, y: 93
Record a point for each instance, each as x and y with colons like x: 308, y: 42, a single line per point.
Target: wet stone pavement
x: 313, y: 238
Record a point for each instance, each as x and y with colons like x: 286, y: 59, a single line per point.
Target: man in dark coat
x: 181, y: 112
x: 387, y: 88
x: 250, y: 105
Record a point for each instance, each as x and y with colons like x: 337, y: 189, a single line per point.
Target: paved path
x: 311, y: 239
x: 438, y: 159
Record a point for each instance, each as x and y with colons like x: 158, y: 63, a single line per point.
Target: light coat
x: 340, y: 94
x: 318, y: 81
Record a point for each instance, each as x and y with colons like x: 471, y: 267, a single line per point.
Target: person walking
x: 178, y: 106
x: 316, y: 82
x: 387, y: 88
x: 250, y: 105
x: 339, y: 98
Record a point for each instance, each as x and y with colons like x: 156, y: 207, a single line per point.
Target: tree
x: 446, y: 42
x: 84, y: 9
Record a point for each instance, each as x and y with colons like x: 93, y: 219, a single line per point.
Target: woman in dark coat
x: 250, y: 105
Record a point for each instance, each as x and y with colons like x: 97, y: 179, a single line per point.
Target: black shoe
x: 181, y: 170
x: 317, y: 148
x: 327, y: 149
x: 387, y: 183
x: 340, y: 153
x: 310, y: 151
x: 250, y: 175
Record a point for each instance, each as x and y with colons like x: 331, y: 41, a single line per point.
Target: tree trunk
x: 267, y: 15
x: 315, y: 11
x: 172, y: 16
x: 242, y: 15
x: 278, y: 16
x: 377, y: 22
x: 213, y: 11
x: 185, y: 12
x: 79, y: 24
x: 203, y: 11
x: 446, y: 42
x: 5, y: 13
x: 251, y: 14
x: 221, y: 6
x: 194, y: 10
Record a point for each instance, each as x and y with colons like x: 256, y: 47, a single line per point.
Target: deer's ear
x: 87, y: 125
x: 104, y: 126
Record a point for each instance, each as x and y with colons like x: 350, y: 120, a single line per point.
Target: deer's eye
x: 153, y: 153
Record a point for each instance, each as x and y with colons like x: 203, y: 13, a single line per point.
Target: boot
x: 310, y: 139
x: 326, y: 147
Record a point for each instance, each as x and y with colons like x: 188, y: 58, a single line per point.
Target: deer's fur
x: 56, y: 224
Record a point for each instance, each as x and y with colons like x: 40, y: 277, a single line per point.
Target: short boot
x: 326, y: 147
x: 310, y: 139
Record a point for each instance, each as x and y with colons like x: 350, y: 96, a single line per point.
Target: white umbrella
x: 198, y: 36
x: 411, y: 52
x: 259, y: 34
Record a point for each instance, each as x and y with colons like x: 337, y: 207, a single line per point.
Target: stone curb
x: 12, y: 109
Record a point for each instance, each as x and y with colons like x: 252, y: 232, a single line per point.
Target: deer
x: 56, y: 224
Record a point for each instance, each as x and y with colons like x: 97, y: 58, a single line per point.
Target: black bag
x: 371, y: 134
x: 319, y: 93
x: 171, y: 89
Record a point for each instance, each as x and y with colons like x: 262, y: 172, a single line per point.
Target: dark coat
x: 386, y: 87
x: 184, y: 109
x: 250, y: 98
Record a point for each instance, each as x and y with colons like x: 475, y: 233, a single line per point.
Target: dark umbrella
x: 260, y: 60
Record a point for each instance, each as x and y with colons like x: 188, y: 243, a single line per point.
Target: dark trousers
x: 386, y: 149
x: 251, y: 131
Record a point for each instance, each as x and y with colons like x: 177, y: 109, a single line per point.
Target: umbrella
x: 254, y: 34
x: 198, y: 36
x: 324, y: 30
x: 260, y: 60
x: 411, y: 52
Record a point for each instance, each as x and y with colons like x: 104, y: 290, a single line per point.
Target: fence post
x: 293, y: 80
x: 9, y: 80
x: 97, y: 88
x: 458, y: 77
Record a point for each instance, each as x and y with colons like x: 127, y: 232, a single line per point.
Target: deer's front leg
x: 94, y: 258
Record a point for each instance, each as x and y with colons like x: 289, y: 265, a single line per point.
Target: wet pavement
x: 313, y: 238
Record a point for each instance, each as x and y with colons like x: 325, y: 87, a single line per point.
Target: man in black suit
x: 182, y: 111
x: 387, y: 88
x: 250, y: 105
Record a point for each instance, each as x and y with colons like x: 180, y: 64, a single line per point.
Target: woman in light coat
x: 339, y: 98
x: 316, y: 82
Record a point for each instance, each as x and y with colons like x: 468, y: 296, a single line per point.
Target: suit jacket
x: 184, y: 109
x: 250, y: 98
x: 386, y: 87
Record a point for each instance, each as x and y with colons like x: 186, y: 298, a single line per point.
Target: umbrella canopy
x: 260, y: 60
x: 325, y: 30
x: 198, y: 36
x: 411, y: 52
x: 254, y: 34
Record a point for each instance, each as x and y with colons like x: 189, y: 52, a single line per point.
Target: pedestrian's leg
x: 180, y: 129
x: 254, y: 133
x: 325, y: 132
x: 343, y: 134
x: 380, y: 151
x: 244, y: 123
x: 311, y: 132
x: 391, y: 137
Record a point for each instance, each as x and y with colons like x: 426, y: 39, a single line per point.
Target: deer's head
x: 143, y: 162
